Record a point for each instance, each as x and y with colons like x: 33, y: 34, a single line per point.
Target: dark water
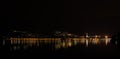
x: 95, y: 48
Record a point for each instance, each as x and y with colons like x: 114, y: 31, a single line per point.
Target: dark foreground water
x: 57, y: 48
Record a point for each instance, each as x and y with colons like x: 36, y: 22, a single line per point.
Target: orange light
x: 96, y: 36
x: 106, y: 36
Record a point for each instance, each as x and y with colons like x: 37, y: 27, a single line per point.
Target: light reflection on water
x: 56, y: 43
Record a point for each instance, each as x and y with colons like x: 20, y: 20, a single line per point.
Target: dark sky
x: 94, y: 16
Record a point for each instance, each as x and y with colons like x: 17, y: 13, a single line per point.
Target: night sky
x: 93, y: 16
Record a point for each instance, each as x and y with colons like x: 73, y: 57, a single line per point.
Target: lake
x: 85, y: 48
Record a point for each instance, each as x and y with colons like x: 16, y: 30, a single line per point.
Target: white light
x: 116, y: 42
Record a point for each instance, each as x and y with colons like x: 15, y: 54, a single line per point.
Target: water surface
x: 59, y: 47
